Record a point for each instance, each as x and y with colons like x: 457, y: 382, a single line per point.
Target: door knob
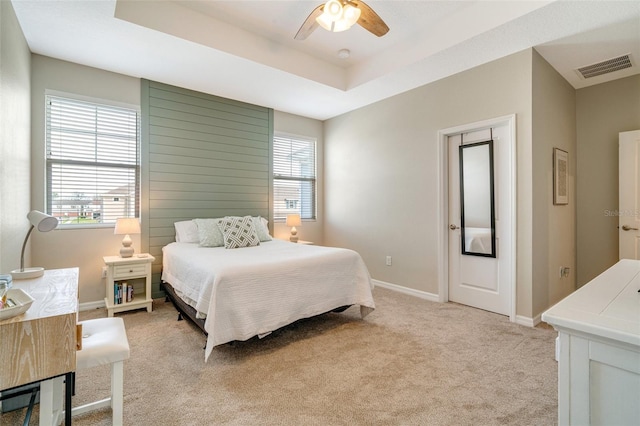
x: 453, y: 227
x: 628, y: 228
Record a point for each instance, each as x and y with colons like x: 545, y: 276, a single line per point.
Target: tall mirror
x: 477, y: 206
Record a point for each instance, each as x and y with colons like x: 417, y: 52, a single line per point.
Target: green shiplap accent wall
x: 202, y: 156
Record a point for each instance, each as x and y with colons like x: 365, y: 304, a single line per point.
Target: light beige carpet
x: 410, y: 362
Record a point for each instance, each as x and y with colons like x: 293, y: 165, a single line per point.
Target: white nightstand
x: 308, y: 243
x: 125, y: 272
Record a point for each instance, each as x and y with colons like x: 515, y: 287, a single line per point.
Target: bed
x: 240, y: 293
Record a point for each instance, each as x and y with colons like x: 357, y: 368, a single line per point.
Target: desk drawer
x: 126, y: 271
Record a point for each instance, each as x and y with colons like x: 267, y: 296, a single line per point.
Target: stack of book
x: 122, y: 292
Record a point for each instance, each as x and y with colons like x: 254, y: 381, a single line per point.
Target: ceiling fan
x: 340, y: 15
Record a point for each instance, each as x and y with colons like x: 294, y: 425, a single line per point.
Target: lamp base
x: 27, y: 273
x: 126, y: 251
x: 294, y: 235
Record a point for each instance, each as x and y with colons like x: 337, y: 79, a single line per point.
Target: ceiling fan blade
x: 369, y: 20
x: 309, y: 24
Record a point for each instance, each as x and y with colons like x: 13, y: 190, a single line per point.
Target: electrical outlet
x: 104, y: 272
x: 564, y: 271
x: 388, y: 261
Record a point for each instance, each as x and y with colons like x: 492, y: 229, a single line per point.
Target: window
x: 294, y: 180
x: 93, y: 161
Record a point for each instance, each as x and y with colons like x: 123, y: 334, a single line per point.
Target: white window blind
x: 93, y: 161
x: 294, y: 180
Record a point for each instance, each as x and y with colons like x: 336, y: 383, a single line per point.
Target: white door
x: 475, y: 278
x: 629, y: 194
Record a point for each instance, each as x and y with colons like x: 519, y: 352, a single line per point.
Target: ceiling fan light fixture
x: 336, y: 17
x: 331, y: 14
x: 351, y: 15
x: 340, y: 15
x: 325, y: 22
x: 333, y: 10
x: 340, y: 25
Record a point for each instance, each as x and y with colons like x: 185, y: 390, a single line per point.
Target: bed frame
x: 183, y: 308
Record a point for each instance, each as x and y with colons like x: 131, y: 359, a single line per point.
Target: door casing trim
x: 443, y: 197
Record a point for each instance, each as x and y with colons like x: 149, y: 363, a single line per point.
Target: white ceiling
x: 245, y: 50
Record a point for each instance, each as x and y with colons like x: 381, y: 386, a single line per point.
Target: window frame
x: 49, y: 162
x: 313, y: 180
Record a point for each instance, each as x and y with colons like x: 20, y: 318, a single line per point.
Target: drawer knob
x: 130, y: 270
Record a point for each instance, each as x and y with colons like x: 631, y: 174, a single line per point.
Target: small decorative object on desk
x: 14, y: 302
x: 4, y: 288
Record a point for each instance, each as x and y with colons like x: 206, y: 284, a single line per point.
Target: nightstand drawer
x: 126, y: 271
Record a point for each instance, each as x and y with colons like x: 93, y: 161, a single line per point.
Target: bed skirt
x: 188, y: 311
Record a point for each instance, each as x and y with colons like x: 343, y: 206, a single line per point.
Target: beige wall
x: 308, y: 127
x: 15, y: 119
x: 382, y: 173
x: 63, y: 248
x: 554, y: 236
x: 602, y: 112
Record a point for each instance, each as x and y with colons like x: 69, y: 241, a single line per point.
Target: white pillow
x: 261, y: 226
x: 238, y: 232
x: 186, y: 232
x: 209, y: 234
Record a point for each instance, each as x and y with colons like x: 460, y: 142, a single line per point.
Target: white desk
x: 40, y: 345
x: 599, y: 355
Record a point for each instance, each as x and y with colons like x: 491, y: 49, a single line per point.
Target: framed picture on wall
x: 560, y: 176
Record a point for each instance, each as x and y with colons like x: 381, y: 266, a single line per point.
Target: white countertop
x: 608, y: 306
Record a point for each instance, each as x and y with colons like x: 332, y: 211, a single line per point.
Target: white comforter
x: 254, y: 290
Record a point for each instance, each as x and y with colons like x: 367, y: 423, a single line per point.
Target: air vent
x: 605, y: 67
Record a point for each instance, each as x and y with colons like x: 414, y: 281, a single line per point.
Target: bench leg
x: 117, y: 392
x: 115, y: 401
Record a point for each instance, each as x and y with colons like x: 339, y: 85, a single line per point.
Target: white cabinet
x: 599, y: 349
x: 128, y: 272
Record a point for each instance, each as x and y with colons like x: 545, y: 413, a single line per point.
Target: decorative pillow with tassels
x: 238, y: 232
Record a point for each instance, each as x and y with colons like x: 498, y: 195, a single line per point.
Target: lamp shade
x: 42, y: 222
x: 127, y: 225
x: 333, y: 9
x: 293, y: 220
x: 351, y: 15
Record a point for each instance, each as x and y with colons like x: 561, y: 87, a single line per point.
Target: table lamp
x: 126, y: 226
x: 44, y: 223
x: 293, y: 220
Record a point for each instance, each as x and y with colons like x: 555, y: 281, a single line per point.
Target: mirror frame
x: 491, y: 195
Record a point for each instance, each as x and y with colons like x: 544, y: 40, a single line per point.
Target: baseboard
x: 522, y: 320
x: 529, y: 322
x: 410, y: 291
x: 87, y: 306
x: 537, y: 319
